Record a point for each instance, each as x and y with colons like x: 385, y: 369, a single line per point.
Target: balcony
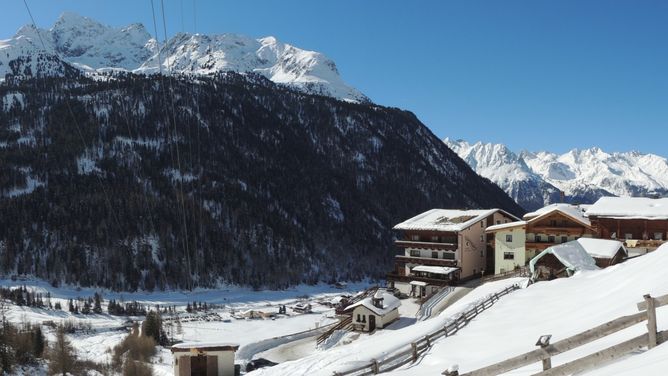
x: 426, y: 245
x: 557, y: 230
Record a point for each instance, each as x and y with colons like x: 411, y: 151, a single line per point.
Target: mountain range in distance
x: 95, y: 48
x: 535, y: 179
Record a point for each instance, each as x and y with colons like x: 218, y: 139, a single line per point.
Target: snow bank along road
x: 562, y: 307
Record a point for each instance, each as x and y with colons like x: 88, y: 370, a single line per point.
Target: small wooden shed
x: 605, y: 252
x: 204, y: 359
x: 561, y: 260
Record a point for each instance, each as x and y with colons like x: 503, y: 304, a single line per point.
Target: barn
x: 605, y: 252
x: 561, y: 260
x: 204, y: 359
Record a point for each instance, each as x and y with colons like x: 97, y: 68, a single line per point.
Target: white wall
x: 516, y: 247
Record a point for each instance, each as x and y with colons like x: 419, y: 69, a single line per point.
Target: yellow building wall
x: 516, y: 247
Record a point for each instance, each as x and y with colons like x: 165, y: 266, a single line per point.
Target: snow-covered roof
x: 572, y: 254
x: 572, y: 211
x: 504, y: 226
x: 390, y: 302
x: 434, y: 269
x: 630, y: 208
x: 418, y: 283
x: 202, y: 345
x: 601, y: 248
x: 447, y: 219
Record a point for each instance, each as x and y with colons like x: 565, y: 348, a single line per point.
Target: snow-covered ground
x: 562, y: 308
x: 103, y: 331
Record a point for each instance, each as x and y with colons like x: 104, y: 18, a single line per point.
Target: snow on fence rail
x: 546, y: 351
x: 419, y: 347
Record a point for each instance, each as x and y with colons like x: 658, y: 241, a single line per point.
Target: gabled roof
x: 602, y: 248
x: 571, y: 254
x: 447, y: 219
x: 390, y: 302
x: 630, y: 208
x: 445, y: 270
x: 574, y: 212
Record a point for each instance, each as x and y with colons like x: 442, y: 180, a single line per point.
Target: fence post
x: 415, y: 353
x: 651, y: 320
x: 543, y: 342
x: 375, y: 368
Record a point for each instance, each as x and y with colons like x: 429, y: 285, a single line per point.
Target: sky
x: 533, y: 74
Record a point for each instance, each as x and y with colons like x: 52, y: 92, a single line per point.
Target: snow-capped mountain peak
x: 583, y: 175
x: 90, y: 45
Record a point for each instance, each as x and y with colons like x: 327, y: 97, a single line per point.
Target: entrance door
x: 372, y: 323
x: 198, y: 365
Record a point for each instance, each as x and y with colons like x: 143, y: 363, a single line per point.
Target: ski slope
x: 562, y: 307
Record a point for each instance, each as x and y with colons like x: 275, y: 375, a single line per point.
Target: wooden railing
x: 546, y: 351
x: 424, y: 312
x: 419, y: 347
x: 342, y: 325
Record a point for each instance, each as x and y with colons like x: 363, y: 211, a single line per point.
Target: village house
x: 204, y: 359
x: 442, y: 246
x: 640, y: 222
x: 516, y: 243
x: 605, y: 252
x: 374, y: 312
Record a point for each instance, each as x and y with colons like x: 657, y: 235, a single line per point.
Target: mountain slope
x: 229, y: 178
x: 94, y: 47
x: 583, y: 175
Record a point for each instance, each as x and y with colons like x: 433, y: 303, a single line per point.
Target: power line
x: 34, y: 24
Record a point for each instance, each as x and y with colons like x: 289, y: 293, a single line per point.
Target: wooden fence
x: 522, y: 271
x: 419, y: 347
x: 546, y: 351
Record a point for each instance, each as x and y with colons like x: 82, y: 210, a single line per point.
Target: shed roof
x: 205, y: 346
x: 447, y: 219
x: 390, y: 302
x: 630, y: 208
x: 601, y: 248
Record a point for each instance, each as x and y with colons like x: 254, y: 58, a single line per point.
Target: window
x: 508, y: 255
x: 449, y: 255
x: 658, y: 236
x: 434, y: 254
x: 550, y: 239
x: 481, y: 224
x: 498, y: 222
x: 506, y: 221
x: 538, y: 239
x: 509, y: 238
x: 553, y: 222
x: 434, y: 239
x: 482, y: 253
x: 482, y: 238
x: 564, y: 239
x: 415, y: 237
x: 415, y: 253
x: 628, y: 236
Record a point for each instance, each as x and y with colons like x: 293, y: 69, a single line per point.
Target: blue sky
x: 533, y: 74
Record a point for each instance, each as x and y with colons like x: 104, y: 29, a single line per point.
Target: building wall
x: 473, y: 245
x: 225, y: 361
x: 381, y: 321
x: 516, y: 247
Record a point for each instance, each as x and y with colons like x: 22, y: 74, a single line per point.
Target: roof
x: 504, y: 226
x: 206, y: 346
x: 447, y: 219
x: 574, y: 212
x: 630, y: 208
x: 601, y: 248
x: 572, y: 254
x: 435, y: 269
x: 390, y: 302
x: 418, y: 283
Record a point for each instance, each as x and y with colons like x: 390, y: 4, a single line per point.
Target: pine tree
x: 62, y: 359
